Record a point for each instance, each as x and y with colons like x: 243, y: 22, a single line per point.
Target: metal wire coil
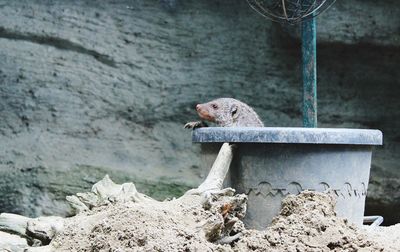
x: 290, y: 11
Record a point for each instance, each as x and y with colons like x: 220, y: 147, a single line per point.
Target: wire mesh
x: 290, y: 11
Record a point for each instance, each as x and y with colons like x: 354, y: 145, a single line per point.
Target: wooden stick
x: 218, y: 171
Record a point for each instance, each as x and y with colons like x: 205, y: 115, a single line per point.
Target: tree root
x: 212, y: 185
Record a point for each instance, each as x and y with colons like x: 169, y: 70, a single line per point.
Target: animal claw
x: 194, y: 125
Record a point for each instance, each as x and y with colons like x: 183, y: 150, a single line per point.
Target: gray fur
x: 232, y: 113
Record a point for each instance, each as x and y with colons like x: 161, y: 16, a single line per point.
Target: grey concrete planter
x: 273, y: 162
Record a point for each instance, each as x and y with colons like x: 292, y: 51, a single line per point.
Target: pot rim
x: 288, y: 135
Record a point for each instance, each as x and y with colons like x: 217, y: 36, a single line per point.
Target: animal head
x: 221, y: 111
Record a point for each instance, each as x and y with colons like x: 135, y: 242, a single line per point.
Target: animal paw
x: 195, y: 125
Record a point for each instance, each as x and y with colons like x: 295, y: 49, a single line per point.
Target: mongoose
x: 226, y: 112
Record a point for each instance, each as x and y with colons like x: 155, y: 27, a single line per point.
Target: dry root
x: 212, y: 185
x: 104, y: 192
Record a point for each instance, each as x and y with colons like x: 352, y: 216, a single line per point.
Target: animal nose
x: 197, y: 106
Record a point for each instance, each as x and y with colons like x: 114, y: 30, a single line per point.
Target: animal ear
x: 234, y: 111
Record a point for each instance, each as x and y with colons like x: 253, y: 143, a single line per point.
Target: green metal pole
x: 309, y: 58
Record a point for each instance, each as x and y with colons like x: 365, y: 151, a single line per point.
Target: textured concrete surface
x: 90, y: 87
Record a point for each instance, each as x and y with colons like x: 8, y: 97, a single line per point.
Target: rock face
x: 89, y: 88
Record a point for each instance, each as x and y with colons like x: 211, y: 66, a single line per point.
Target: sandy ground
x: 156, y: 226
x: 387, y: 237
x: 307, y: 222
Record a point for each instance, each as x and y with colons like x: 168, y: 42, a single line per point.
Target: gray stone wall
x: 95, y: 87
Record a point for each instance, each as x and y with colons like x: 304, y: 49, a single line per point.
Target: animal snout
x: 198, y: 107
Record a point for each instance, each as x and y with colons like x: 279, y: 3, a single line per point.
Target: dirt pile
x: 151, y: 226
x: 307, y: 222
x: 387, y: 237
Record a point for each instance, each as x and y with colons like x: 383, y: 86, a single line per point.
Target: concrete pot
x: 271, y: 163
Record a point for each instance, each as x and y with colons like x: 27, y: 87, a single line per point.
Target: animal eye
x: 214, y: 106
x: 234, y: 110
